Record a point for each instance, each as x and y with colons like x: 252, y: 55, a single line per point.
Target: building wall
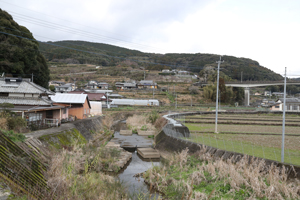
x: 17, y: 95
x: 80, y: 112
x: 96, y: 108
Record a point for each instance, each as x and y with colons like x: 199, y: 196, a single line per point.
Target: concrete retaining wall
x: 82, y: 130
x: 169, y: 142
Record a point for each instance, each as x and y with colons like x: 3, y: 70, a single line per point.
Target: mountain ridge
x: 84, y: 52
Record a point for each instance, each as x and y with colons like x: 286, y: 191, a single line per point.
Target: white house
x: 292, y: 104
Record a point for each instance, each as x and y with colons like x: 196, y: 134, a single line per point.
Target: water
x: 136, y: 186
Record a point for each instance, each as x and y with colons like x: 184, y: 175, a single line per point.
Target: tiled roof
x: 96, y: 96
x: 290, y: 100
x: 25, y: 101
x: 22, y: 87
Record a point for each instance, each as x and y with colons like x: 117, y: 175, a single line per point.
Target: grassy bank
x: 199, y: 177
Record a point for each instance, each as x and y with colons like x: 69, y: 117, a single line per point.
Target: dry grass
x: 3, y: 123
x: 77, y: 174
x: 139, y: 121
x: 160, y: 123
x: 107, y: 121
x: 245, y: 179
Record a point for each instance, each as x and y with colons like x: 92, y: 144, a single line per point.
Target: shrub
x: 16, y: 123
x: 15, y: 137
x: 144, y: 128
x: 153, y: 116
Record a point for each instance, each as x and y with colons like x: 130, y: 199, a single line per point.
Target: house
x: 91, y: 85
x: 126, y: 85
x: 291, y: 104
x: 267, y: 93
x: 94, y: 97
x: 147, y: 84
x: 278, y: 94
x: 103, y: 85
x: 68, y: 87
x: 56, y: 83
x: 277, y: 106
x: 79, y: 104
x: 30, y: 101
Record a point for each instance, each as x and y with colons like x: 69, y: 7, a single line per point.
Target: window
x: 276, y: 106
x: 34, y: 116
x: 65, y: 111
x: 85, y: 111
x: 49, y: 114
x: 3, y: 94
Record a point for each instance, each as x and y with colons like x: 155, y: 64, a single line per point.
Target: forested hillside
x: 20, y: 56
x: 81, y: 52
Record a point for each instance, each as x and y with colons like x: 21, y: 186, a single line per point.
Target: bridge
x: 248, y: 84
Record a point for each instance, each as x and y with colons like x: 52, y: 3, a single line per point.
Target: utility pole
x: 107, y: 100
x: 153, y: 92
x: 283, y: 119
x: 191, y: 101
x: 32, y: 77
x: 176, y: 102
x: 217, y: 98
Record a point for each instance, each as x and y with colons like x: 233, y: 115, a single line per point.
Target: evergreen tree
x: 19, y: 52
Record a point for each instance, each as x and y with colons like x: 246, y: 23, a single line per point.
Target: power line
x: 93, y: 52
x: 64, y: 28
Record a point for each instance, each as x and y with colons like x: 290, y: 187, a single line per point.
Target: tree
x: 52, y: 88
x: 19, y: 52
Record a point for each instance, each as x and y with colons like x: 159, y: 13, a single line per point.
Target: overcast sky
x: 267, y: 31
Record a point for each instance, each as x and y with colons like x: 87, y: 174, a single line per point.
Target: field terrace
x: 252, y: 134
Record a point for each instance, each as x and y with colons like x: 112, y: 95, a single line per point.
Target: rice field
x: 249, y: 138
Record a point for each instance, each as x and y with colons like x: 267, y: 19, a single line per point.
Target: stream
x: 136, y: 185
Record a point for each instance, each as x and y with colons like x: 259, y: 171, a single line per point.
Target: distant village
x: 68, y: 103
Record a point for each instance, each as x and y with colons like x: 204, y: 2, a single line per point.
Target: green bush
x: 153, y: 116
x: 144, y: 128
x: 15, y: 137
x: 16, y: 123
